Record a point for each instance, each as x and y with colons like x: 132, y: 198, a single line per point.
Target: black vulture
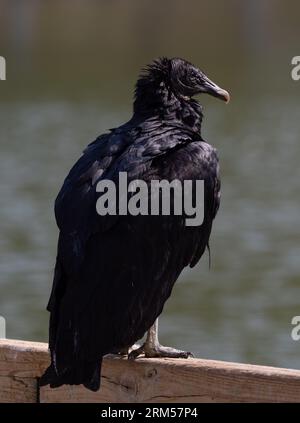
x: 114, y: 273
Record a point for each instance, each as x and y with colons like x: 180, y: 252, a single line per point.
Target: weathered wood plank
x: 192, y: 380
x: 157, y: 380
x: 16, y: 390
x: 22, y: 358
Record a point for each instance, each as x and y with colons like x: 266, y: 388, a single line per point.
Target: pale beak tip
x: 226, y: 96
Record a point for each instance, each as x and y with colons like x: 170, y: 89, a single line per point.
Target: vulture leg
x: 152, y: 348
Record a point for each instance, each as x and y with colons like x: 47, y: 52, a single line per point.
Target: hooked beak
x: 213, y: 89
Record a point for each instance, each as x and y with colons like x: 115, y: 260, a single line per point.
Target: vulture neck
x: 156, y: 100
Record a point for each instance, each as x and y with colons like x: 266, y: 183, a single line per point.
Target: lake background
x: 71, y: 69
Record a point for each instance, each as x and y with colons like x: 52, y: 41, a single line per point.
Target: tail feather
x: 82, y: 372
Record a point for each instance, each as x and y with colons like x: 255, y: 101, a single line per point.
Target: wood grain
x: 16, y: 390
x: 150, y: 380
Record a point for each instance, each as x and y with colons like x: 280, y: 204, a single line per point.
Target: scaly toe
x: 161, y: 351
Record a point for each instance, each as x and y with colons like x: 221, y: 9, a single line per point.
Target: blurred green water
x: 70, y: 76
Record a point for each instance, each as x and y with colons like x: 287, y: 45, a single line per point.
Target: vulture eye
x: 194, y: 75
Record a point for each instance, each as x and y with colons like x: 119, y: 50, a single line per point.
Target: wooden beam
x: 15, y: 389
x: 149, y: 380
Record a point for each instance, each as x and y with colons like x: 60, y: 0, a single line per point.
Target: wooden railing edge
x: 146, y: 380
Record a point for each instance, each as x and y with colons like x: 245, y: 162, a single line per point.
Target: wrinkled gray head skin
x: 166, y: 88
x: 187, y: 80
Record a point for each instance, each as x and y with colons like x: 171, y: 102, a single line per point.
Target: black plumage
x: 113, y: 274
